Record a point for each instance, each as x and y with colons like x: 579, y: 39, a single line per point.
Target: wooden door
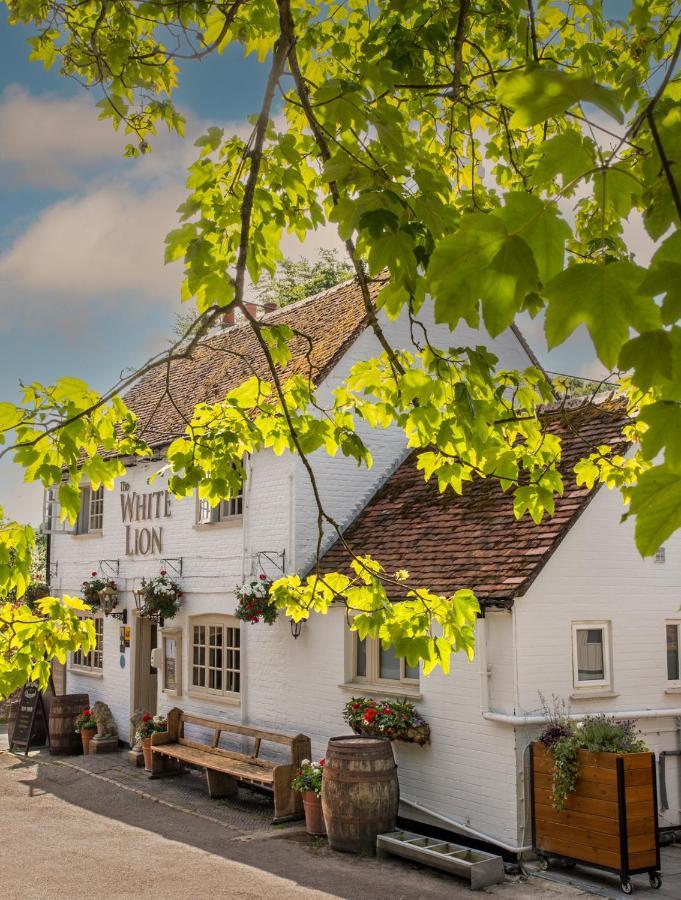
x: 146, y: 679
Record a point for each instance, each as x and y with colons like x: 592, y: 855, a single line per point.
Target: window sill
x: 673, y: 689
x: 232, y: 522
x: 171, y: 692
x: 89, y: 534
x: 378, y: 690
x: 212, y: 698
x: 88, y: 673
x: 593, y: 694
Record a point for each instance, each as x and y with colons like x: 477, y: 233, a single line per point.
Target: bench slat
x: 218, y: 725
x: 239, y: 768
x: 229, y: 754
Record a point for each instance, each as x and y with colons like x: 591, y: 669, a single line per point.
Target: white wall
x: 467, y: 774
x: 597, y: 574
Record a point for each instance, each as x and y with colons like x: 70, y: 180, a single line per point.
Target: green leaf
x: 650, y: 356
x: 605, y: 298
x: 570, y: 155
x: 664, y: 432
x: 656, y: 503
x: 539, y: 93
x: 538, y: 223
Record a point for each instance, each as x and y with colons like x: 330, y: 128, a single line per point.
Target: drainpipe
x: 243, y: 632
x: 618, y: 713
x: 466, y: 829
x: 662, y: 768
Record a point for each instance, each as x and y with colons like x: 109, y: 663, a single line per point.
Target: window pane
x: 673, y: 652
x: 590, y: 665
x: 361, y: 664
x: 388, y: 664
x: 170, y: 663
x: 410, y: 671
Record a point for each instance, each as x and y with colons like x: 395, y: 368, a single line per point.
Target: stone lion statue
x: 106, y: 727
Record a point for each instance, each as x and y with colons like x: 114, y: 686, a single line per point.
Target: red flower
x: 94, y: 574
x: 146, y: 717
x: 263, y: 577
x: 370, y: 715
x: 386, y: 710
x: 163, y: 571
x: 86, y: 712
x: 322, y: 762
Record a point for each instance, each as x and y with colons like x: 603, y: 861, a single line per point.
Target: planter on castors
x: 609, y: 821
x: 360, y: 792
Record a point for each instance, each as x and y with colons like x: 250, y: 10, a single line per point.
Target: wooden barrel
x: 63, y: 712
x: 360, y: 792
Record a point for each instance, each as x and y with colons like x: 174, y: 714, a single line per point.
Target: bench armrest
x: 162, y: 737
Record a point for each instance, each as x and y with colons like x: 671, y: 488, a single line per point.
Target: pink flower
x: 263, y: 577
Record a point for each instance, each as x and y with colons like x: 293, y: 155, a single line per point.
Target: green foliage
x: 31, y: 637
x: 465, y: 155
x: 598, y: 734
x: 296, y: 279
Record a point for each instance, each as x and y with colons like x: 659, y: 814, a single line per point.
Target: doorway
x: 146, y: 678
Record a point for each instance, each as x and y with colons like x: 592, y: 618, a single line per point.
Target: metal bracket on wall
x: 174, y: 566
x: 109, y: 567
x: 53, y: 571
x: 276, y: 558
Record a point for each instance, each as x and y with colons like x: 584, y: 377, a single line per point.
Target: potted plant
x: 308, y: 782
x: 397, y: 720
x: 86, y: 725
x: 255, y: 604
x: 160, y: 596
x: 594, y: 796
x: 149, y: 725
x: 92, y: 586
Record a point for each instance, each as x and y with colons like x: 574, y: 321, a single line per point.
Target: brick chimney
x: 228, y: 318
x: 270, y: 307
x: 253, y: 310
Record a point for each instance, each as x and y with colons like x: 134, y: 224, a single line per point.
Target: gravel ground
x: 93, y: 826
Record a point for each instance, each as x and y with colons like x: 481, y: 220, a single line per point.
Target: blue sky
x: 83, y: 288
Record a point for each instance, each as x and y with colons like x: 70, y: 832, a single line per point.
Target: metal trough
x: 480, y: 868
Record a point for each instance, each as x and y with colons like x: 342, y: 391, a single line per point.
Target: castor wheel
x: 655, y: 880
x: 627, y: 886
x: 543, y: 862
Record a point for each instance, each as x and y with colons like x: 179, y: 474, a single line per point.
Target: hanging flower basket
x: 255, y: 604
x: 92, y: 586
x: 159, y: 597
x: 397, y: 720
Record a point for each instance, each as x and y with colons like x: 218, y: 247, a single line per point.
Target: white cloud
x: 92, y: 248
x: 53, y: 141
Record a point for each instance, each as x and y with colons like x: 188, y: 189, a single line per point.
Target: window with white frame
x: 373, y: 664
x: 223, y: 512
x: 215, y: 656
x: 591, y: 654
x: 91, y: 516
x: 673, y: 652
x: 93, y: 661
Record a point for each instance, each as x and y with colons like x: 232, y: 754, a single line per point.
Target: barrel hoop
x: 359, y: 777
x: 355, y: 820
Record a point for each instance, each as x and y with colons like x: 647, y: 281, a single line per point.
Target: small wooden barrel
x: 360, y: 792
x: 63, y: 712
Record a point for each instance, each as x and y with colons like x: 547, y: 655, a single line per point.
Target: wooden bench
x: 171, y: 751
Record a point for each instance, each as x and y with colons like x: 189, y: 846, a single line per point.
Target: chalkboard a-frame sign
x: 31, y: 721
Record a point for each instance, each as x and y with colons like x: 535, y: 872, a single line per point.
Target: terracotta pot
x: 146, y: 751
x: 314, y: 818
x: 86, y: 735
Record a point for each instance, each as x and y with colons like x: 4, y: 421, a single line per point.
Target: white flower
x: 305, y: 762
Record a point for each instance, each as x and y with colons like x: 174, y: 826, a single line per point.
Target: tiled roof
x: 325, y: 325
x: 447, y: 541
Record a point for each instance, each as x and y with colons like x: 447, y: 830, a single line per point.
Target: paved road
x: 70, y: 833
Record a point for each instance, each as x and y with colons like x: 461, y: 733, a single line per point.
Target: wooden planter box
x: 610, y: 821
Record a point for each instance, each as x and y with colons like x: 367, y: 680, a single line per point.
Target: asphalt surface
x: 88, y: 827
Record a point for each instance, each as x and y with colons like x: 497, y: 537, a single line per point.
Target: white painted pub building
x: 570, y: 609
